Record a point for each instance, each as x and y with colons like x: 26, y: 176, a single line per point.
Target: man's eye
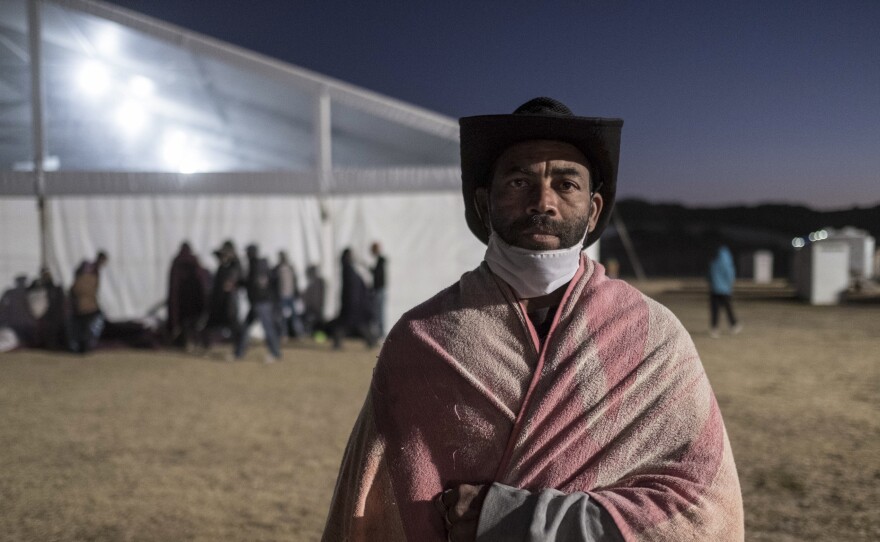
x: 518, y: 183
x: 568, y: 186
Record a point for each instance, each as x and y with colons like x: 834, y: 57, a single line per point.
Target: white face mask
x: 532, y: 273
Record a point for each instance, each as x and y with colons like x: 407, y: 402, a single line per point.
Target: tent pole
x: 324, y: 165
x: 35, y: 42
x: 627, y: 244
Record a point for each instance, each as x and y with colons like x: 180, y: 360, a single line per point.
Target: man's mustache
x: 542, y: 222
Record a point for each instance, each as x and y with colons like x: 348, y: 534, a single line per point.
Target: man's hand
x: 460, y: 507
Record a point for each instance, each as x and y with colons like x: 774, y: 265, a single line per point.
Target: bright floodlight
x: 180, y: 151
x: 798, y: 242
x: 131, y: 117
x: 107, y: 41
x: 192, y: 163
x: 94, y: 78
x: 174, y: 148
x: 141, y: 86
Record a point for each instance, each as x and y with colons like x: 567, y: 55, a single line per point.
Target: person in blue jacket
x: 721, y: 276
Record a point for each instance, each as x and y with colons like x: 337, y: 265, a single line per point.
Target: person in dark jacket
x: 721, y: 277
x: 313, y: 302
x: 186, y: 297
x: 355, y: 312
x: 223, y: 306
x: 260, y: 297
x: 51, y: 321
x: 379, y: 292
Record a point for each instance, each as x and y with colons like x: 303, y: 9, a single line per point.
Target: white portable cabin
x: 861, y: 253
x: 758, y: 266
x: 821, y: 272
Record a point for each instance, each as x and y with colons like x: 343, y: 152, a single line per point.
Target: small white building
x: 821, y: 271
x: 861, y: 253
x: 757, y: 266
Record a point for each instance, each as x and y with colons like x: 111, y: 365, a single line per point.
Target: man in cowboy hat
x: 537, y: 399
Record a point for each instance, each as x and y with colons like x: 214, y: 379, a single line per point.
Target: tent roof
x: 125, y: 93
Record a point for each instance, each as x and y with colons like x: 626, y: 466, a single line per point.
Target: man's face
x: 540, y: 196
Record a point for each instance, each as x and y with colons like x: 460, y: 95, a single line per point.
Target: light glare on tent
x: 94, y: 78
x: 108, y: 41
x: 192, y: 163
x: 131, y: 117
x: 174, y: 148
x: 141, y: 86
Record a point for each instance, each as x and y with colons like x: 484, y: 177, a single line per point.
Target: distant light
x: 812, y: 237
x: 141, y: 86
x: 94, y: 78
x: 131, y: 117
x: 822, y: 234
x: 798, y: 242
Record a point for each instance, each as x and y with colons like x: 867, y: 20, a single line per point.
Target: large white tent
x: 133, y: 135
x: 144, y: 135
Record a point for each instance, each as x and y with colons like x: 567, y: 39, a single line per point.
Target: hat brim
x: 484, y: 138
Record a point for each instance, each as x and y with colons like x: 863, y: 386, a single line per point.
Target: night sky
x: 723, y: 102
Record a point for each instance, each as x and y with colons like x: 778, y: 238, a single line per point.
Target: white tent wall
x: 142, y: 235
x: 424, y: 236
x: 19, y: 239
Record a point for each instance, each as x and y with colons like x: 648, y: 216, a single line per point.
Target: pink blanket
x: 615, y: 404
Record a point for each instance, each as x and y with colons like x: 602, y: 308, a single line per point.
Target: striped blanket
x: 615, y: 403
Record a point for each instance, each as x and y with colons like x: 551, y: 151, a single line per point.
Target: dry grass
x: 129, y: 445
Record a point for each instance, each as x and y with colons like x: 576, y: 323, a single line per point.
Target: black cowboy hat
x: 485, y: 137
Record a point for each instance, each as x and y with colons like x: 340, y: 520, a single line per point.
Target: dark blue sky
x: 723, y: 102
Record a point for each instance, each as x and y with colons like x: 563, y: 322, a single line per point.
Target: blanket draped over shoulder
x: 615, y: 404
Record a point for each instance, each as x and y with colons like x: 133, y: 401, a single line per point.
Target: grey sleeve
x: 511, y: 514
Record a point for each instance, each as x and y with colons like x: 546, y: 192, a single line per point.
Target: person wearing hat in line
x: 537, y: 399
x: 223, y: 305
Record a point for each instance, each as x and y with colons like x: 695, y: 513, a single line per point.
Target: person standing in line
x: 722, y: 275
x: 379, y: 292
x: 223, y: 305
x: 88, y: 320
x: 186, y: 297
x: 313, y: 301
x: 287, y: 290
x: 259, y: 292
x: 355, y: 310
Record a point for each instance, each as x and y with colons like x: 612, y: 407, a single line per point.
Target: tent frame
x: 322, y: 181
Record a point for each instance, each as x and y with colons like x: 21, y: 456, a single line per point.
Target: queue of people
x: 275, y: 300
x: 201, y: 307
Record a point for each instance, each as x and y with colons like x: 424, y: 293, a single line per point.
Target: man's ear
x: 481, y: 199
x: 595, y: 210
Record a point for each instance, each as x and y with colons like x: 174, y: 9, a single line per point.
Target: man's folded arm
x: 513, y: 514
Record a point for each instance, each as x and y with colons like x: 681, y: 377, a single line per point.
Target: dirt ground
x: 134, y: 445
